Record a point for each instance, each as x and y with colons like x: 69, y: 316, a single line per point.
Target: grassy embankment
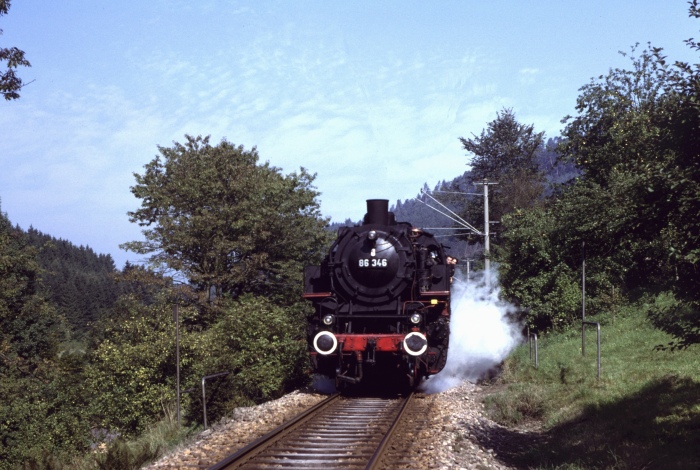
x: 644, y: 412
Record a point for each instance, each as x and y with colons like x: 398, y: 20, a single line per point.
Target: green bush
x: 261, y: 345
x: 132, y: 375
x: 533, y: 272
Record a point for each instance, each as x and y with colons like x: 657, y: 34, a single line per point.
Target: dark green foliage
x: 42, y: 412
x: 136, y: 359
x: 634, y: 205
x: 41, y: 396
x: 262, y: 345
x: 29, y: 328
x: 534, y: 271
x: 505, y: 147
x: 505, y: 153
x: 78, y: 281
x: 679, y: 318
x: 226, y: 222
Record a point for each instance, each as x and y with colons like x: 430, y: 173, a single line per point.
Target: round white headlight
x: 325, y: 343
x: 415, y: 343
x: 328, y: 320
x: 416, y: 318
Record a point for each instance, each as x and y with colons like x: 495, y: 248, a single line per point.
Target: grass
x: 121, y: 454
x: 644, y: 412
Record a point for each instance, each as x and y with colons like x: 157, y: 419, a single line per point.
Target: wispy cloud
x: 371, y: 101
x: 528, y: 76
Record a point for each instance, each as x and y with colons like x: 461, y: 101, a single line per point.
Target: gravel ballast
x: 460, y: 436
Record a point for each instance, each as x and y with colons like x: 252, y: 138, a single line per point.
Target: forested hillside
x: 77, y: 281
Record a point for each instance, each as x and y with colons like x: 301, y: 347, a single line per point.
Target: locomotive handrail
x: 315, y: 295
x: 360, y: 316
x: 435, y: 293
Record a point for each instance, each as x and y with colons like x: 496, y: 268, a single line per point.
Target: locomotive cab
x: 381, y: 299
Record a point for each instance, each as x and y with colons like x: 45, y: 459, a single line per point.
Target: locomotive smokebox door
x: 374, y: 263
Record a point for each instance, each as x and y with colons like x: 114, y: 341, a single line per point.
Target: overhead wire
x: 459, y: 220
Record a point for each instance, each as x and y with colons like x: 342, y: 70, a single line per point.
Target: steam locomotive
x: 382, y: 303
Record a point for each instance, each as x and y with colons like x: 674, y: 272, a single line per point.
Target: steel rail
x: 336, y: 433
x: 376, y: 458
x: 259, y: 443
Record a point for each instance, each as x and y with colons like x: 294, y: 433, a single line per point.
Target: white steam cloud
x: 482, y: 332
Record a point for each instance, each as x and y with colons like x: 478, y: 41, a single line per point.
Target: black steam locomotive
x: 382, y: 303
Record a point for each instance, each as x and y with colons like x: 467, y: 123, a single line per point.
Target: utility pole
x: 487, y: 244
x: 177, y: 358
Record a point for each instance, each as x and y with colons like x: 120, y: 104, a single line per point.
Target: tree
x: 506, y: 153
x: 29, y: 328
x: 534, y: 271
x: 76, y: 280
x: 504, y: 148
x: 636, y: 136
x: 226, y: 222
x: 270, y: 356
x: 635, y: 144
x: 10, y: 83
x: 622, y: 121
x: 40, y: 407
x: 679, y: 314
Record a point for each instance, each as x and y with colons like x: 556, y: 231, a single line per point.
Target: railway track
x: 338, y: 433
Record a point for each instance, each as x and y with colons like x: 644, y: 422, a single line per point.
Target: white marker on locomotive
x: 382, y: 303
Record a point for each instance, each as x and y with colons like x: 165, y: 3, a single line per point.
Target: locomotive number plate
x: 373, y: 263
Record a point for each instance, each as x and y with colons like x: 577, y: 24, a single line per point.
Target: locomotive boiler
x: 382, y: 303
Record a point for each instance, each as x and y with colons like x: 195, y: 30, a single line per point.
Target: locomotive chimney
x: 377, y: 212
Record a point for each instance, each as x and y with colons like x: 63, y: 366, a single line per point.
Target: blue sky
x: 370, y: 95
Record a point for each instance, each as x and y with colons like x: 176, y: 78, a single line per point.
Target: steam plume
x: 482, y: 332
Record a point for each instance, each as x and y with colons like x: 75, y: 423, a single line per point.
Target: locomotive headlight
x: 372, y: 235
x: 325, y: 343
x: 415, y: 343
x: 328, y: 320
x: 416, y: 318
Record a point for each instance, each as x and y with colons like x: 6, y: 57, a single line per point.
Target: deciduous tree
x: 10, y: 83
x: 225, y: 221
